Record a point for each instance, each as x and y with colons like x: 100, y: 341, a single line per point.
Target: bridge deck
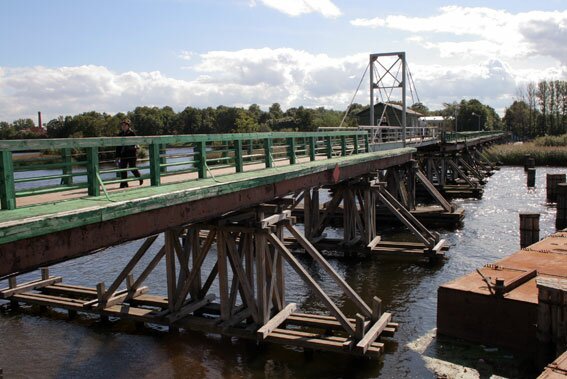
x: 106, y: 221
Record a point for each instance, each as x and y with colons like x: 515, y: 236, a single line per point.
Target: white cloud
x: 239, y: 78
x: 186, y: 55
x: 299, y: 7
x: 484, y: 31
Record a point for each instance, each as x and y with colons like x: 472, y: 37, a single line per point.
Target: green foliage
x: 551, y: 141
x: 514, y: 154
x: 540, y: 110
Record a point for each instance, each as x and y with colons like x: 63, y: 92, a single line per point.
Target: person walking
x: 126, y: 155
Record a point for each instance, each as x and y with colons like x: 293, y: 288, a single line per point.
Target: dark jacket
x: 128, y: 151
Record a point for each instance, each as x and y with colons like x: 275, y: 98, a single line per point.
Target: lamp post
x: 478, y: 116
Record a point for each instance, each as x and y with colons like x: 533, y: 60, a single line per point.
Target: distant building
x: 443, y: 123
x: 388, y: 114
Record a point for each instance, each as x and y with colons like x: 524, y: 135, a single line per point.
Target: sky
x: 65, y: 57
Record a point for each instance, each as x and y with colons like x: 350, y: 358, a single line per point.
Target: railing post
x: 291, y: 150
x: 343, y: 146
x: 67, y: 179
x: 202, y: 166
x: 268, y: 152
x: 355, y: 140
x: 162, y: 158
x: 238, y: 162
x: 329, y: 145
x: 312, y: 147
x: 366, y: 143
x: 7, y: 187
x: 155, y: 164
x: 92, y: 171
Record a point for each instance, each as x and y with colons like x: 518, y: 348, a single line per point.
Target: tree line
x: 222, y: 119
x: 539, y: 110
x: 165, y: 121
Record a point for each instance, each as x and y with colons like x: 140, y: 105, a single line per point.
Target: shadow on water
x: 33, y: 345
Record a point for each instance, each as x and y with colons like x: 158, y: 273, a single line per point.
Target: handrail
x: 77, y: 163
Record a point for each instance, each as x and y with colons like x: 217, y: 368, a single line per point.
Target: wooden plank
x: 317, y: 342
x: 433, y: 191
x: 129, y: 266
x: 238, y: 271
x: 28, y: 286
x: 374, y: 332
x: 120, y: 298
x: 374, y: 242
x: 40, y: 299
x: 275, y: 321
x: 274, y: 219
x: 222, y: 265
x: 190, y: 308
x: 311, y: 282
x: 353, y: 296
x: 170, y: 236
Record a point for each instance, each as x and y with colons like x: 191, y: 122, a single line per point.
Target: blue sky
x: 65, y: 57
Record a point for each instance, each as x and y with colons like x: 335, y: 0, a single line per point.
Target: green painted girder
x: 33, y: 221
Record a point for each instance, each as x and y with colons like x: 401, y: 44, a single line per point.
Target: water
x: 49, y: 345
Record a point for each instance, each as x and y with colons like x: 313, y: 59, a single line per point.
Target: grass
x: 547, y: 151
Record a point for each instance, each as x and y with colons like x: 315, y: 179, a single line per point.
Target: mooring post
x: 529, y: 229
x: 526, y: 157
x: 552, y: 180
x: 529, y: 163
x: 531, y: 177
x: 561, y: 219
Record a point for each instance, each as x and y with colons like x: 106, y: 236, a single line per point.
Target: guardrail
x: 385, y: 134
x: 464, y: 136
x: 56, y: 165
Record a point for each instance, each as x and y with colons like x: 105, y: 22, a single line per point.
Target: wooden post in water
x: 529, y: 229
x: 551, y: 184
x: 531, y: 177
x: 528, y: 162
x: 561, y: 219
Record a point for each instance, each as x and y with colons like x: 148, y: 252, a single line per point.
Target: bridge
x: 234, y: 193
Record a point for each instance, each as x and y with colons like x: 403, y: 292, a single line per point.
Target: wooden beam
x: 374, y: 332
x: 312, y: 251
x: 28, y: 286
x: 129, y: 267
x: 190, y: 308
x: 311, y: 282
x: 275, y: 321
x: 274, y: 219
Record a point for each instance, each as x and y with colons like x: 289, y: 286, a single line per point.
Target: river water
x: 34, y: 344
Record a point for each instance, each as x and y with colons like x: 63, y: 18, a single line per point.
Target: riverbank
x: 547, y: 151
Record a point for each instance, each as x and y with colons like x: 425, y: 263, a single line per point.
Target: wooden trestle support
x: 458, y: 174
x: 359, y: 199
x: 249, y: 300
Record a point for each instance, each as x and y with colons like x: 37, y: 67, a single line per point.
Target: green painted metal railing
x: 32, y: 167
x: 467, y: 136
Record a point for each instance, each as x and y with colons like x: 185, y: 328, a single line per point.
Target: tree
x: 517, y: 118
x: 245, y: 122
x: 421, y: 108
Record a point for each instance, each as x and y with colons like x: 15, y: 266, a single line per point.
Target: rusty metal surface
x: 468, y: 309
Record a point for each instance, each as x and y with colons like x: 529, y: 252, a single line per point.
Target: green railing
x: 467, y: 136
x: 33, y: 167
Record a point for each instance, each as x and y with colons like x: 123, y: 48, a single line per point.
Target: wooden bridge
x: 233, y: 193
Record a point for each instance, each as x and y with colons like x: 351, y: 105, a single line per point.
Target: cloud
x: 483, y: 31
x: 299, y: 7
x: 239, y: 78
x: 233, y: 78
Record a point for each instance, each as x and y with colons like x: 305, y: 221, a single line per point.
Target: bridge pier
x: 249, y: 301
x: 356, y: 203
